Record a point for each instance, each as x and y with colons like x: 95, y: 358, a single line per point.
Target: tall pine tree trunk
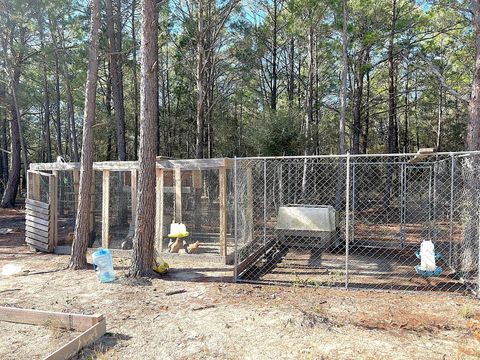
x: 143, y: 242
x: 200, y: 81
x: 471, y: 172
x: 114, y: 31
x: 343, y: 86
x: 11, y: 189
x: 78, y: 258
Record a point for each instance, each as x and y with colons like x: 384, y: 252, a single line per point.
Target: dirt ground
x: 216, y: 319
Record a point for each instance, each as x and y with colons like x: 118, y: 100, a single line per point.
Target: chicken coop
x: 349, y: 221
x: 359, y: 221
x: 198, y: 193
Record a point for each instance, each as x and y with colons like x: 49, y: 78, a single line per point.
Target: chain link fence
x: 358, y: 221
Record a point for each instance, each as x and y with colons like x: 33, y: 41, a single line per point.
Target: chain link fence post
x: 347, y: 219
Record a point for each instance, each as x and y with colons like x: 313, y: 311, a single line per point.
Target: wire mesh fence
x: 202, y: 206
x: 359, y: 221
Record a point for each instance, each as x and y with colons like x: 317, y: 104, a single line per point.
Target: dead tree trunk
x: 78, y: 258
x: 143, y: 242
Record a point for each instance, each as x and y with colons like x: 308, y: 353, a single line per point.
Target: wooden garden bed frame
x: 92, y: 326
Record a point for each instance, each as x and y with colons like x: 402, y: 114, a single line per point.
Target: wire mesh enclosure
x: 358, y: 221
x: 198, y: 193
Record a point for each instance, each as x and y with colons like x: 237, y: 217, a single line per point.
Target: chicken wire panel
x: 67, y: 201
x: 200, y: 211
x: 394, y: 204
x: 121, y: 227
x: 271, y: 253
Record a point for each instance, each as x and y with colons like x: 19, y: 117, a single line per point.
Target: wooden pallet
x: 92, y: 326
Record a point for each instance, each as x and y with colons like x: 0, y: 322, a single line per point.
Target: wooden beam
x: 133, y: 194
x: 76, y: 187
x: 91, y: 227
x: 38, y: 215
x: 35, y: 226
x: 36, y: 209
x: 53, y: 200
x: 30, y: 218
x: 61, y: 320
x: 84, y: 339
x: 178, y: 194
x: 103, y: 165
x: 105, y: 208
x: 37, y: 244
x: 93, y: 327
x: 222, y: 179
x: 37, y: 236
x: 37, y: 204
x: 159, y: 211
x: 184, y: 164
x: 196, y: 164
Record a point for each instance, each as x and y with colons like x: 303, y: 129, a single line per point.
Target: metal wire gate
x: 358, y: 221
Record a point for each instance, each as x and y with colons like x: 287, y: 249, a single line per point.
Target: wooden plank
x: 61, y: 320
x: 53, y: 200
x: 159, y: 211
x: 38, y: 237
x: 178, y: 195
x: 37, y: 214
x: 29, y: 184
x: 36, y: 203
x: 253, y: 257
x: 37, y: 220
x: 55, y: 166
x: 171, y: 189
x: 35, y: 230
x: 105, y: 208
x: 37, y: 209
x: 91, y: 227
x: 35, y: 226
x: 37, y: 244
x: 103, y: 165
x: 195, y: 164
x: 76, y: 187
x: 84, y: 339
x: 222, y: 178
x: 133, y: 194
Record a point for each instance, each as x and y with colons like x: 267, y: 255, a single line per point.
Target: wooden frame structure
x: 92, y: 326
x: 163, y: 165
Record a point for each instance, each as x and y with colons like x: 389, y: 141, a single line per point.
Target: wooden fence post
x: 159, y: 211
x: 105, y: 209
